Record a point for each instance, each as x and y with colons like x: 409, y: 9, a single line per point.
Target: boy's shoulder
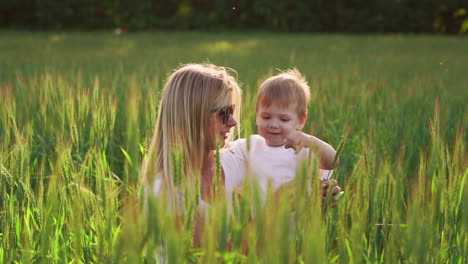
x: 256, y: 139
x: 255, y: 142
x: 244, y: 141
x: 242, y: 145
x: 235, y: 144
x: 237, y: 148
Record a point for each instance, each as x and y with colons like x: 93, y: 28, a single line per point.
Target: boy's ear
x: 302, y: 121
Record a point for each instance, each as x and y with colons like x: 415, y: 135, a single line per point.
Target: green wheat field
x: 77, y: 110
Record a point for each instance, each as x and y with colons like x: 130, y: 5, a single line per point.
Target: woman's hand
x: 330, y: 188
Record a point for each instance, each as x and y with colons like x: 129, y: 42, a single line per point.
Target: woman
x: 197, y: 112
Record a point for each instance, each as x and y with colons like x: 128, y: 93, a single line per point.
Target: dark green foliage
x: 411, y: 16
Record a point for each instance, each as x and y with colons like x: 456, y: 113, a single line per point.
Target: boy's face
x: 275, y: 123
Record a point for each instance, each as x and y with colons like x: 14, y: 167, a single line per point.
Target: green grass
x: 77, y: 110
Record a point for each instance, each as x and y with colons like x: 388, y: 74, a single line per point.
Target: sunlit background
x: 80, y: 84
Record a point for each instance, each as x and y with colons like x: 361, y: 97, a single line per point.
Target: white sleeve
x: 154, y: 193
x: 147, y: 193
x: 234, y: 164
x: 156, y: 186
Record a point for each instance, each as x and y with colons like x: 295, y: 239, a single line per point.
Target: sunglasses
x: 225, y: 112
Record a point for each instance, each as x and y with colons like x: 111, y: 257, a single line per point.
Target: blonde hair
x: 189, y: 97
x: 285, y: 88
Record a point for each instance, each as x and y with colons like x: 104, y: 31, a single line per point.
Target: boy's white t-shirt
x: 269, y: 165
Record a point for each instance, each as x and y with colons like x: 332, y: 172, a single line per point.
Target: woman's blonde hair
x: 191, y: 94
x: 285, y: 88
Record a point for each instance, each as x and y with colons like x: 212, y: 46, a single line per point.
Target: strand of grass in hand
x: 335, y: 160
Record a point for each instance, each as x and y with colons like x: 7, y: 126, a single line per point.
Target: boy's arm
x: 298, y: 140
x: 324, y: 187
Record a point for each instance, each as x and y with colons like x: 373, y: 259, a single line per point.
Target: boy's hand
x: 240, y: 191
x: 297, y: 140
x: 331, y: 188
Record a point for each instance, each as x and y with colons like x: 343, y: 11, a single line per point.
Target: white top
x: 179, y: 197
x: 269, y: 165
x: 277, y: 165
x: 230, y: 185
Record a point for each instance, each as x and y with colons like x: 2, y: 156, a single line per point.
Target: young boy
x: 274, y: 155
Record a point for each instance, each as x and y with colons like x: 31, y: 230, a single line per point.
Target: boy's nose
x: 273, y: 124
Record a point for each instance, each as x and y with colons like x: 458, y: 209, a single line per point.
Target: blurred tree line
x: 415, y: 16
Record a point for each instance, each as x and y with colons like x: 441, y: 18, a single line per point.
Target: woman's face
x: 220, y: 125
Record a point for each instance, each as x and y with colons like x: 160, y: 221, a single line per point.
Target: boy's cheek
x: 290, y: 134
x: 258, y: 120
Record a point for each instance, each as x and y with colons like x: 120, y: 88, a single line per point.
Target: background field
x: 77, y: 108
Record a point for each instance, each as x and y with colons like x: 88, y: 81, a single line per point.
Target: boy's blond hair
x: 285, y: 88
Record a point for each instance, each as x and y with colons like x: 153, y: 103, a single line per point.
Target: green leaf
x: 127, y: 156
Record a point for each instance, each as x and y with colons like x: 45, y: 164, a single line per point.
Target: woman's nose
x: 232, y: 121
